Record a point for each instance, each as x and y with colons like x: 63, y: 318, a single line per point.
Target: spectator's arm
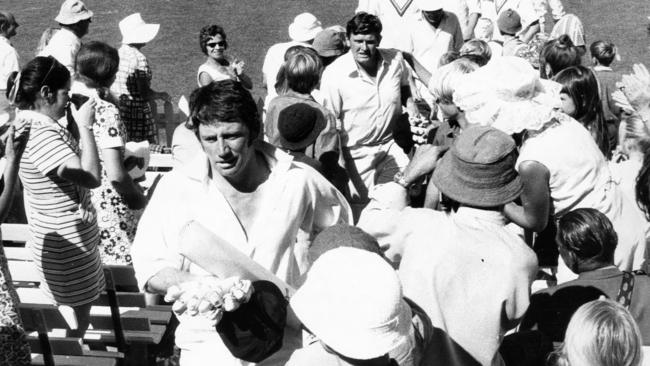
x: 535, y: 198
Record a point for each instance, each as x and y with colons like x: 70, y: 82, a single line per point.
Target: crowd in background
x: 435, y: 182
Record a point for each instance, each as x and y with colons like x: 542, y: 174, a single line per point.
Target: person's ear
x: 47, y: 94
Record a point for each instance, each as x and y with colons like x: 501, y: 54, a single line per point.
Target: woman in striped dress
x: 57, y: 176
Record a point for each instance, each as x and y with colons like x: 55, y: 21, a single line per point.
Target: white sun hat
x: 508, y: 94
x: 304, y: 28
x: 429, y: 5
x: 352, y: 301
x: 135, y: 30
x: 73, y: 11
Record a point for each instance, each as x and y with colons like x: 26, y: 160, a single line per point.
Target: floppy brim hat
x: 134, y: 30
x: 73, y: 11
x: 356, y: 317
x: 309, y: 138
x: 471, y: 176
x: 429, y: 5
x: 507, y: 94
x: 304, y: 28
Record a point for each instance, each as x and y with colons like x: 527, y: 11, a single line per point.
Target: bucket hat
x: 479, y: 169
x: 304, y: 28
x: 509, y: 22
x: 135, y: 30
x: 429, y: 5
x: 508, y: 94
x: 299, y: 125
x: 73, y: 11
x: 352, y: 301
x: 329, y: 43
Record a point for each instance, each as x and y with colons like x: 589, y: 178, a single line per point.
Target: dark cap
x: 299, y: 125
x: 509, y: 22
x: 329, y: 43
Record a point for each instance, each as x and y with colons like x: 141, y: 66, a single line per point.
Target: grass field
x: 254, y: 25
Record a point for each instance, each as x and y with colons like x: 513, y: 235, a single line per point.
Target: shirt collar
x: 600, y: 273
x: 493, y: 217
x: 78, y: 87
x: 199, y: 168
x: 602, y: 68
x: 5, y: 40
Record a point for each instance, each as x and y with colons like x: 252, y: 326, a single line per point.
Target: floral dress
x: 14, y: 349
x: 117, y: 223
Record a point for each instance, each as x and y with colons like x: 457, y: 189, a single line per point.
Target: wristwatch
x: 399, y: 179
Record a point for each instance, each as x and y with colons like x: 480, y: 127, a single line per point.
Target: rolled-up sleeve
x: 153, y: 247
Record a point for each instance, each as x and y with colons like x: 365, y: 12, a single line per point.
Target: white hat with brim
x: 304, y: 28
x: 73, y: 11
x: 429, y: 5
x: 508, y: 94
x: 134, y: 30
x: 352, y: 301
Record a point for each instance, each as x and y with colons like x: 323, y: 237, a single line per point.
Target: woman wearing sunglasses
x: 218, y: 66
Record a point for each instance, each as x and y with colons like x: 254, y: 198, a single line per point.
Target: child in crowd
x: 603, y: 53
x: 601, y: 333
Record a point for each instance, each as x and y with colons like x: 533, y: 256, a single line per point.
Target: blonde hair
x: 444, y: 81
x: 476, y: 47
x: 601, y: 333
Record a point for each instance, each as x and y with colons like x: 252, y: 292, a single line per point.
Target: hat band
x: 484, y: 176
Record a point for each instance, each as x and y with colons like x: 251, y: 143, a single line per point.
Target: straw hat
x: 135, y: 30
x: 508, y: 94
x: 73, y: 11
x: 352, y: 301
x: 429, y: 5
x: 304, y: 28
x: 479, y: 169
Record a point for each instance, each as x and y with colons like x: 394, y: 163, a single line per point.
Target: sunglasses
x: 215, y: 44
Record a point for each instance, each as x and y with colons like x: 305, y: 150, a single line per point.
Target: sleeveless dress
x: 117, y: 223
x: 61, y: 217
x: 217, y: 73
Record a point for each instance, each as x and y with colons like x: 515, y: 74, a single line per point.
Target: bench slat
x: 37, y: 359
x: 15, y: 232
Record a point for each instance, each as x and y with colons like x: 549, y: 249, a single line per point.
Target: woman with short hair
x: 218, y: 66
x: 119, y: 200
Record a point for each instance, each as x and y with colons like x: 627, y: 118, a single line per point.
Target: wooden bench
x: 119, y: 317
x: 51, y: 350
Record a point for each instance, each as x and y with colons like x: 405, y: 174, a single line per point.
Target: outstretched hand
x: 209, y: 296
x: 636, y: 88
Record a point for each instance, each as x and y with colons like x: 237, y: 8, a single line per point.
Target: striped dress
x: 61, y: 217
